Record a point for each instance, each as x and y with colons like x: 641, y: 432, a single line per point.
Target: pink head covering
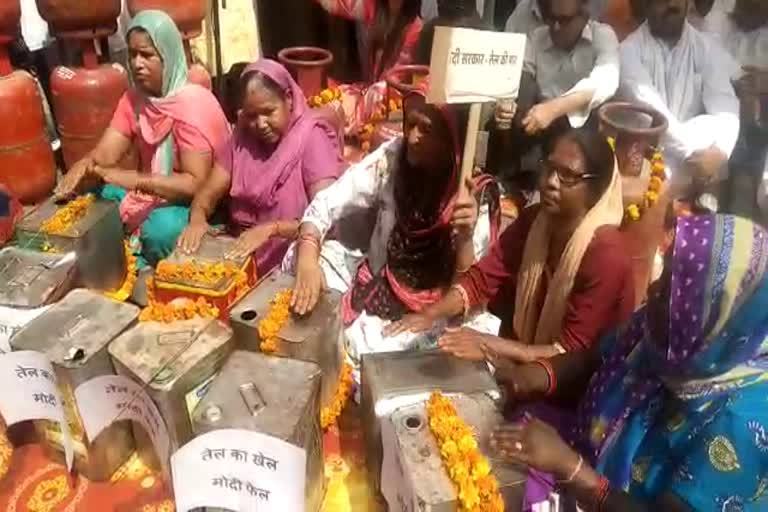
x: 259, y: 171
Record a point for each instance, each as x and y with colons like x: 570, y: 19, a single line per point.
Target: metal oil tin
x: 420, y: 475
x: 276, y: 396
x: 314, y: 338
x: 97, y: 239
x: 30, y: 279
x: 213, y: 249
x: 176, y: 362
x: 74, y: 334
x: 410, y: 377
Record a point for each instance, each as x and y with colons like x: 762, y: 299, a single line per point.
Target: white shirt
x: 34, y: 29
x: 689, y: 84
x: 593, y: 64
x: 369, y: 185
x: 748, y: 48
x: 527, y: 16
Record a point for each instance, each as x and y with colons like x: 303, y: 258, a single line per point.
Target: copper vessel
x: 401, y: 80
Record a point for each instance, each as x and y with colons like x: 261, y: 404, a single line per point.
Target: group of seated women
x: 660, y: 406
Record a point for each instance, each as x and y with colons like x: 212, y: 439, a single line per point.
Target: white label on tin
x: 30, y: 392
x: 110, y: 398
x: 239, y: 470
x: 12, y: 320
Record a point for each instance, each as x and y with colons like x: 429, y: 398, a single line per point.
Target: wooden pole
x: 470, y: 147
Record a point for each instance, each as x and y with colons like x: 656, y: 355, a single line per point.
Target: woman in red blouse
x: 560, y: 276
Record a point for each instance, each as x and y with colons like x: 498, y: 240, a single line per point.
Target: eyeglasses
x: 566, y: 176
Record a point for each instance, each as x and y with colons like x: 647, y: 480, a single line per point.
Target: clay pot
x: 308, y: 65
x: 636, y: 129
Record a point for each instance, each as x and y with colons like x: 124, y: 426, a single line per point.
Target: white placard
x: 474, y: 66
x: 11, y: 322
x: 239, y: 470
x: 109, y: 398
x: 30, y: 392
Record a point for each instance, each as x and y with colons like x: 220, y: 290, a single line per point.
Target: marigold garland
x: 277, y: 316
x: 325, y: 97
x: 634, y: 211
x: 470, y: 471
x: 65, y: 217
x: 330, y: 413
x: 126, y: 289
x: 180, y: 309
x: 378, y: 115
x: 202, y: 273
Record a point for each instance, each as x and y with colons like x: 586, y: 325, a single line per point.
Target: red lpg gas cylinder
x: 308, y: 65
x: 187, y: 14
x: 80, y: 18
x: 84, y: 100
x: 27, y: 167
x: 197, y: 74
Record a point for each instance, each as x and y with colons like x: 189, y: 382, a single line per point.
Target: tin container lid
x: 159, y: 354
x: 33, y: 221
x: 389, y: 374
x: 29, y: 278
x: 213, y: 249
x: 262, y: 393
x: 76, y: 328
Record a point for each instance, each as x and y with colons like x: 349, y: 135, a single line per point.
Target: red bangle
x: 550, y: 374
x: 603, y: 487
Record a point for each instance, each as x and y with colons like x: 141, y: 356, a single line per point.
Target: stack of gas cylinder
x: 84, y: 97
x: 27, y: 165
x: 188, y: 16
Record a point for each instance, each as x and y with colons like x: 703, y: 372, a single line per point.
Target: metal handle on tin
x: 252, y: 398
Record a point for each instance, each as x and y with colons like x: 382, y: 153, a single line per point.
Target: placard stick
x: 470, y: 147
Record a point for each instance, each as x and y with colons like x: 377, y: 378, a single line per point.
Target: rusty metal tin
x: 97, y: 240
x: 176, y: 362
x: 272, y: 395
x: 314, y: 338
x: 74, y: 334
x: 390, y: 378
x: 416, y: 459
x: 30, y: 279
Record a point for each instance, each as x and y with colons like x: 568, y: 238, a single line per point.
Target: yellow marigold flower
x: 655, y: 184
x: 467, y: 444
x: 633, y: 212
x: 326, y: 95
x: 651, y: 198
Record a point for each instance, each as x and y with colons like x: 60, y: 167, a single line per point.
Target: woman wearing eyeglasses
x: 560, y: 276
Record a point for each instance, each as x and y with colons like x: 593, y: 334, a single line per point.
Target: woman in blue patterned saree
x: 675, y: 418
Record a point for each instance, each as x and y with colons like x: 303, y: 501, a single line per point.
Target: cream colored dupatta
x: 609, y: 210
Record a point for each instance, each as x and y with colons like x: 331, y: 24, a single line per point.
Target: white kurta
x: 369, y: 185
x: 690, y: 83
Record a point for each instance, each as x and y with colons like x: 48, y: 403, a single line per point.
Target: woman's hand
x: 523, y: 382
x: 251, y: 239
x: 465, y: 343
x: 535, y: 444
x: 415, y: 323
x: 190, y: 239
x: 465, y: 212
x: 73, y: 179
x: 309, y: 284
x: 504, y: 114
